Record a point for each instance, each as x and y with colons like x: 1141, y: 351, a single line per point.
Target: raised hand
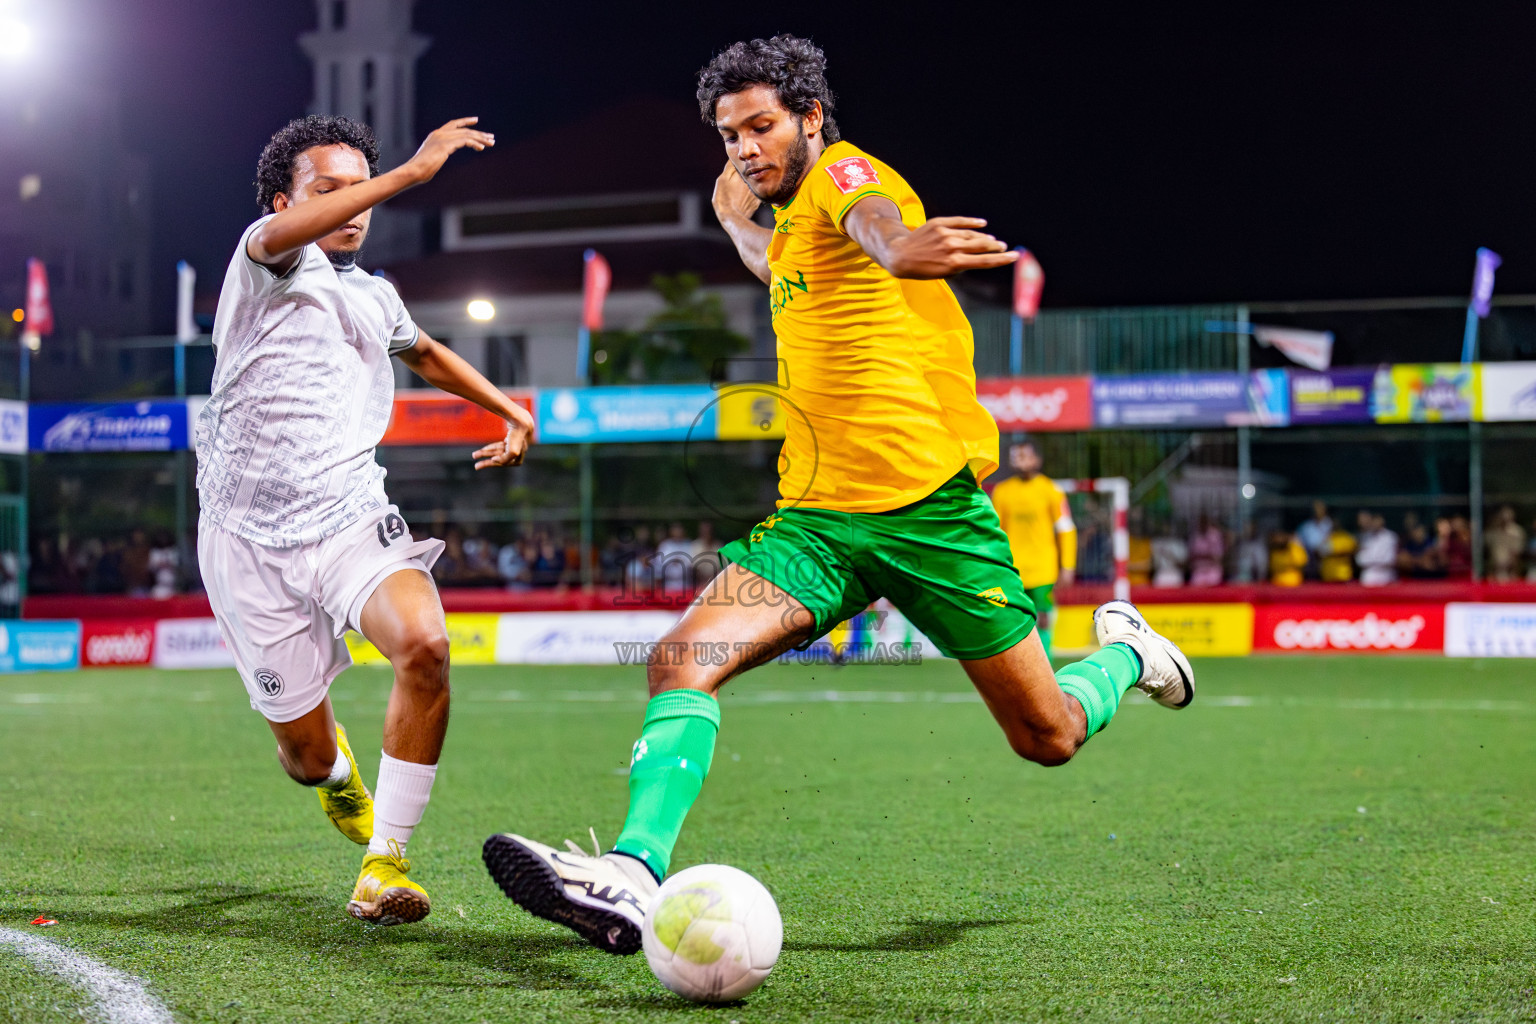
x: 947, y: 245
x: 732, y: 197
x: 443, y: 143
x: 510, y: 450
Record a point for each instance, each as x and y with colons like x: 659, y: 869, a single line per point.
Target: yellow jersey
x: 1038, y: 521
x: 876, y: 373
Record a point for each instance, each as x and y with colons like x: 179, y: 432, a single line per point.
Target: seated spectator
x: 1505, y: 543
x: 1138, y: 564
x: 674, y: 560
x: 1287, y: 560
x: 164, y: 565
x: 1252, y: 562
x: 449, y: 569
x: 137, y: 577
x: 1313, y: 535
x: 511, y: 567
x: 1207, y: 552
x: 1454, y: 539
x: 1169, y: 556
x: 1377, y: 551
x: 1417, y: 556
x: 706, y: 561
x: 1337, y: 557
x: 547, y: 567
x: 480, y: 558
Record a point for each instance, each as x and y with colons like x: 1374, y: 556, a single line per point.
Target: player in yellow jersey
x: 878, y: 488
x: 1041, y: 535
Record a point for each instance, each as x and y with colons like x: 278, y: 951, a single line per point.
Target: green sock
x: 670, y: 761
x: 1099, y: 680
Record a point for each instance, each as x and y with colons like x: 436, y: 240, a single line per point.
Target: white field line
x: 116, y: 998
x: 743, y: 695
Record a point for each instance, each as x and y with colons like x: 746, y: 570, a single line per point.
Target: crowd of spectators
x: 640, y: 558
x: 137, y: 563
x: 1324, y: 549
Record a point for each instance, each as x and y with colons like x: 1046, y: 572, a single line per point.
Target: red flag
x: 39, y: 309
x: 1028, y: 281
x: 595, y: 279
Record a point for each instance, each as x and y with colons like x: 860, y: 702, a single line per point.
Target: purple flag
x: 1482, y: 280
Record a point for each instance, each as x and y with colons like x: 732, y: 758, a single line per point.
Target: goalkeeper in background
x: 1038, y: 521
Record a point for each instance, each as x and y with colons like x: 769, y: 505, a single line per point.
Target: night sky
x: 1155, y: 157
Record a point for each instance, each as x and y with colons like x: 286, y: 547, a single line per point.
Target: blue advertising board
x: 1258, y: 399
x: 39, y: 646
x: 1331, y: 396
x: 118, y: 427
x: 655, y: 413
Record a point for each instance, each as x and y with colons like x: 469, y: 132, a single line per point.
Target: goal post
x: 1118, y: 488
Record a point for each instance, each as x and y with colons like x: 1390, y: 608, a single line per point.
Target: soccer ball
x: 712, y: 933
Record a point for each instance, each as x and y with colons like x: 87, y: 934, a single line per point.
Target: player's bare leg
x: 306, y: 746
x: 1041, y: 721
x: 404, y: 619
x: 1047, y: 716
x: 739, y: 621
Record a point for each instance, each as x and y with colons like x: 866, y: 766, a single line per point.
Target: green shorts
x: 1040, y: 597
x: 943, y: 561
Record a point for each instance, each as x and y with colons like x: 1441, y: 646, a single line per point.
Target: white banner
x: 1509, y: 391
x: 13, y: 427
x: 1309, y: 348
x: 579, y: 638
x: 190, y: 643
x: 1490, y: 630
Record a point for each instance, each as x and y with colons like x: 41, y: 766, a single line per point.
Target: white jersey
x: 302, y: 392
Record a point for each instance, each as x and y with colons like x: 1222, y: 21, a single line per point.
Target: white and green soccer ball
x: 712, y: 933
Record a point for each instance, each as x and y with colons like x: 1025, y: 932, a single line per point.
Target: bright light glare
x: 1249, y: 491
x: 15, y: 38
x: 479, y: 309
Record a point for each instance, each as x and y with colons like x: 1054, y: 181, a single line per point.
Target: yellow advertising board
x: 750, y: 412
x: 1200, y: 630
x: 1428, y: 393
x: 471, y: 641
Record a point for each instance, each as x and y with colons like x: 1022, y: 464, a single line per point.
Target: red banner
x: 1028, y: 283
x: 596, y: 276
x: 432, y: 417
x: 39, y: 319
x: 117, y: 642
x: 1038, y: 403
x: 1349, y: 628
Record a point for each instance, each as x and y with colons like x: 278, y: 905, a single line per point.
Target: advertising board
x: 1350, y: 628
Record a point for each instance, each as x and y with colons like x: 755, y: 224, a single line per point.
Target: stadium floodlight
x: 480, y: 309
x: 15, y: 38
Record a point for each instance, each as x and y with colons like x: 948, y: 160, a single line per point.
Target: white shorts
x: 283, y: 611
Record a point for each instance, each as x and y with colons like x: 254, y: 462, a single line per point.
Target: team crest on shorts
x: 995, y: 595
x: 852, y: 174
x: 270, y: 682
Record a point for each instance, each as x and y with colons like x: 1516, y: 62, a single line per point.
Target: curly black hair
x: 274, y: 171
x: 795, y: 67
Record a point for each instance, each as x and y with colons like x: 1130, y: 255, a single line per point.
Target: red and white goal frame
x: 1119, y: 490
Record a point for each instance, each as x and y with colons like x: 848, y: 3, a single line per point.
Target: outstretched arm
x: 277, y: 243
x: 439, y: 366
x: 942, y: 247
x: 735, y: 204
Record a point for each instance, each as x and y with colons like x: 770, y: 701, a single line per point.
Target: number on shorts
x: 391, y: 528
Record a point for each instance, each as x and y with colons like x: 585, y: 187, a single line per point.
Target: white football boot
x: 601, y: 897
x: 1166, y: 675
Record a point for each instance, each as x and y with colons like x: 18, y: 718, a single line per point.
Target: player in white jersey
x: 297, y: 539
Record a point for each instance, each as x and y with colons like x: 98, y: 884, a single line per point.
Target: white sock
x: 399, y: 801
x: 341, y: 771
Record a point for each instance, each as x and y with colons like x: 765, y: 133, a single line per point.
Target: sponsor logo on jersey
x: 853, y: 173
x: 994, y: 595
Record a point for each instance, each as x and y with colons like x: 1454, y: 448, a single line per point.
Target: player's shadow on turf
x: 318, y: 925
x: 916, y: 937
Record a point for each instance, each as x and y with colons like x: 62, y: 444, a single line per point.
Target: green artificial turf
x: 1315, y: 839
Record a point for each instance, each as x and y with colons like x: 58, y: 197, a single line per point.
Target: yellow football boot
x: 384, y: 895
x: 350, y: 808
